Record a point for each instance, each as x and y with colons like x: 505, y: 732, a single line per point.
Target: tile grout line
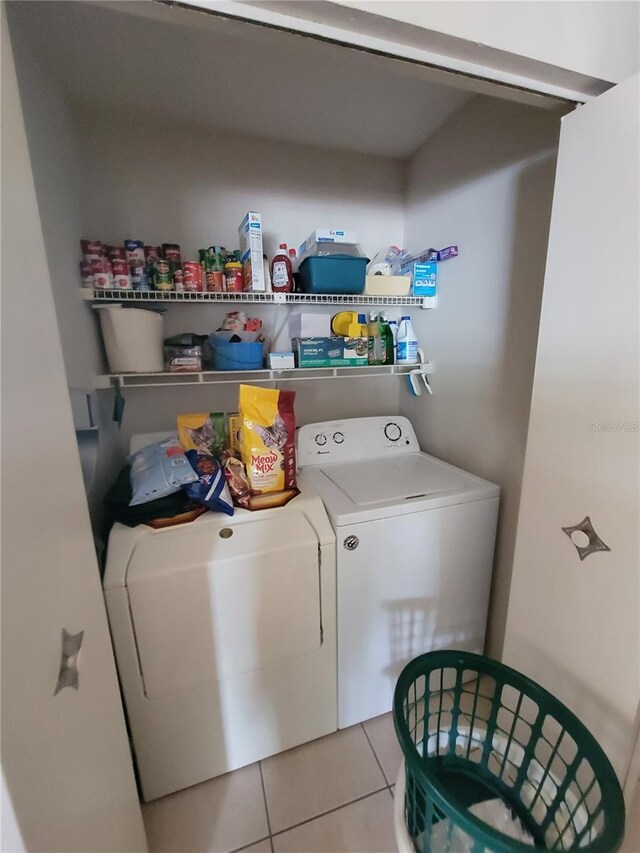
x: 375, y: 755
x: 244, y: 846
x: 331, y: 811
x: 266, y: 805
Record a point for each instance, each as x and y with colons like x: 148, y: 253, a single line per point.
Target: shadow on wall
x: 516, y: 368
x: 614, y: 732
x: 485, y: 182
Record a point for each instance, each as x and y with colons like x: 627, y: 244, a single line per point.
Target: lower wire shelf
x: 226, y: 377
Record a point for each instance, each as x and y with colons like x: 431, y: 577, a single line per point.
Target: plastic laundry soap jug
x: 407, y: 343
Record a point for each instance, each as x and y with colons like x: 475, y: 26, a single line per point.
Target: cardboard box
x: 425, y: 280
x: 281, y: 360
x: 387, y: 285
x: 303, y: 325
x: 323, y: 235
x: 250, y: 236
x: 331, y: 352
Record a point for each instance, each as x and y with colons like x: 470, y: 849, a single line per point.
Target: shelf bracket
x: 118, y: 401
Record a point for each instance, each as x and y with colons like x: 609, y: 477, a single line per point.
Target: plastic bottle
x: 294, y: 260
x: 407, y: 343
x: 376, y: 352
x: 388, y: 341
x: 364, y: 328
x: 281, y: 273
x: 267, y: 274
x: 393, y: 325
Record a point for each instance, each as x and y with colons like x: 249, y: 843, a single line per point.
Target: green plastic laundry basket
x: 473, y: 730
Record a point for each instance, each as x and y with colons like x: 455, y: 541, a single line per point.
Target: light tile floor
x: 334, y: 795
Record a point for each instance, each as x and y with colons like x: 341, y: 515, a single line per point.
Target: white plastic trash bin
x: 132, y: 338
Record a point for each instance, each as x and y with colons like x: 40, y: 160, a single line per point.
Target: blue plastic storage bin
x: 334, y: 274
x: 237, y: 356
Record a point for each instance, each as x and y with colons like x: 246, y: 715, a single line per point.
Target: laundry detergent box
x: 331, y: 352
x: 250, y: 236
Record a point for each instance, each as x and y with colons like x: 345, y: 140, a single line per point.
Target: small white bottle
x: 406, y: 343
x: 267, y: 275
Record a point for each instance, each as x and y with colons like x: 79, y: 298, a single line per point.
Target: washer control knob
x: 392, y: 431
x: 351, y: 543
x: 338, y: 437
x: 321, y: 439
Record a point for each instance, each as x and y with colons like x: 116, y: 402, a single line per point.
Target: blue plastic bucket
x: 237, y: 356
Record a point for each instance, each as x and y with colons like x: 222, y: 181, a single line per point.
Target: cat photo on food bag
x: 206, y: 432
x: 202, y: 437
x: 267, y: 445
x: 274, y: 436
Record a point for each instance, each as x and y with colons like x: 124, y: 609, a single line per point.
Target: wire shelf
x: 100, y: 295
x: 225, y: 377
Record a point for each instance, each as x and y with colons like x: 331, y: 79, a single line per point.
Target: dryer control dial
x: 321, y: 439
x: 392, y: 431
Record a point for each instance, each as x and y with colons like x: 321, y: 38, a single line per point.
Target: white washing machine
x: 225, y: 637
x: 415, y: 540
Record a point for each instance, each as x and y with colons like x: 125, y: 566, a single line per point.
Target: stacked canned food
x: 135, y: 266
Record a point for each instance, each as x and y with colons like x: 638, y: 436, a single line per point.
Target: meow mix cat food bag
x: 268, y: 440
x: 205, y: 432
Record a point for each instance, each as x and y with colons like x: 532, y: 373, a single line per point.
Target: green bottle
x: 376, y: 351
x: 388, y: 346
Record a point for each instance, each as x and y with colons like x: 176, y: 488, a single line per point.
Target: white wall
x: 597, y: 39
x: 54, y: 153
x: 65, y: 758
x: 484, y: 182
x: 193, y: 186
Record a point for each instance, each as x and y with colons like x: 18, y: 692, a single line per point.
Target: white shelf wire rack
x: 225, y: 377
x: 172, y: 296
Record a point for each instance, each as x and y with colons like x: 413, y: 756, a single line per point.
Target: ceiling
x: 182, y: 65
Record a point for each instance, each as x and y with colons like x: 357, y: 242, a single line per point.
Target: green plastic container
x: 473, y: 730
x: 333, y: 274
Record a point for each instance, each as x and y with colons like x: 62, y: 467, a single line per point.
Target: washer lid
x: 375, y: 488
x: 412, y: 475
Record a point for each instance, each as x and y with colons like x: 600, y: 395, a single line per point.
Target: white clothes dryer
x: 224, y: 632
x: 415, y: 539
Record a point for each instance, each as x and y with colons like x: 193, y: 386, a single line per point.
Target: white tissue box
x: 310, y: 326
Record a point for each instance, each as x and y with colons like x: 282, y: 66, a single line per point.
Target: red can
x: 171, y: 253
x: 91, y: 250
x: 116, y: 253
x: 121, y: 275
x: 178, y: 279
x: 87, y: 274
x: 152, y: 254
x: 192, y: 277
x: 215, y: 281
x: 102, y: 273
